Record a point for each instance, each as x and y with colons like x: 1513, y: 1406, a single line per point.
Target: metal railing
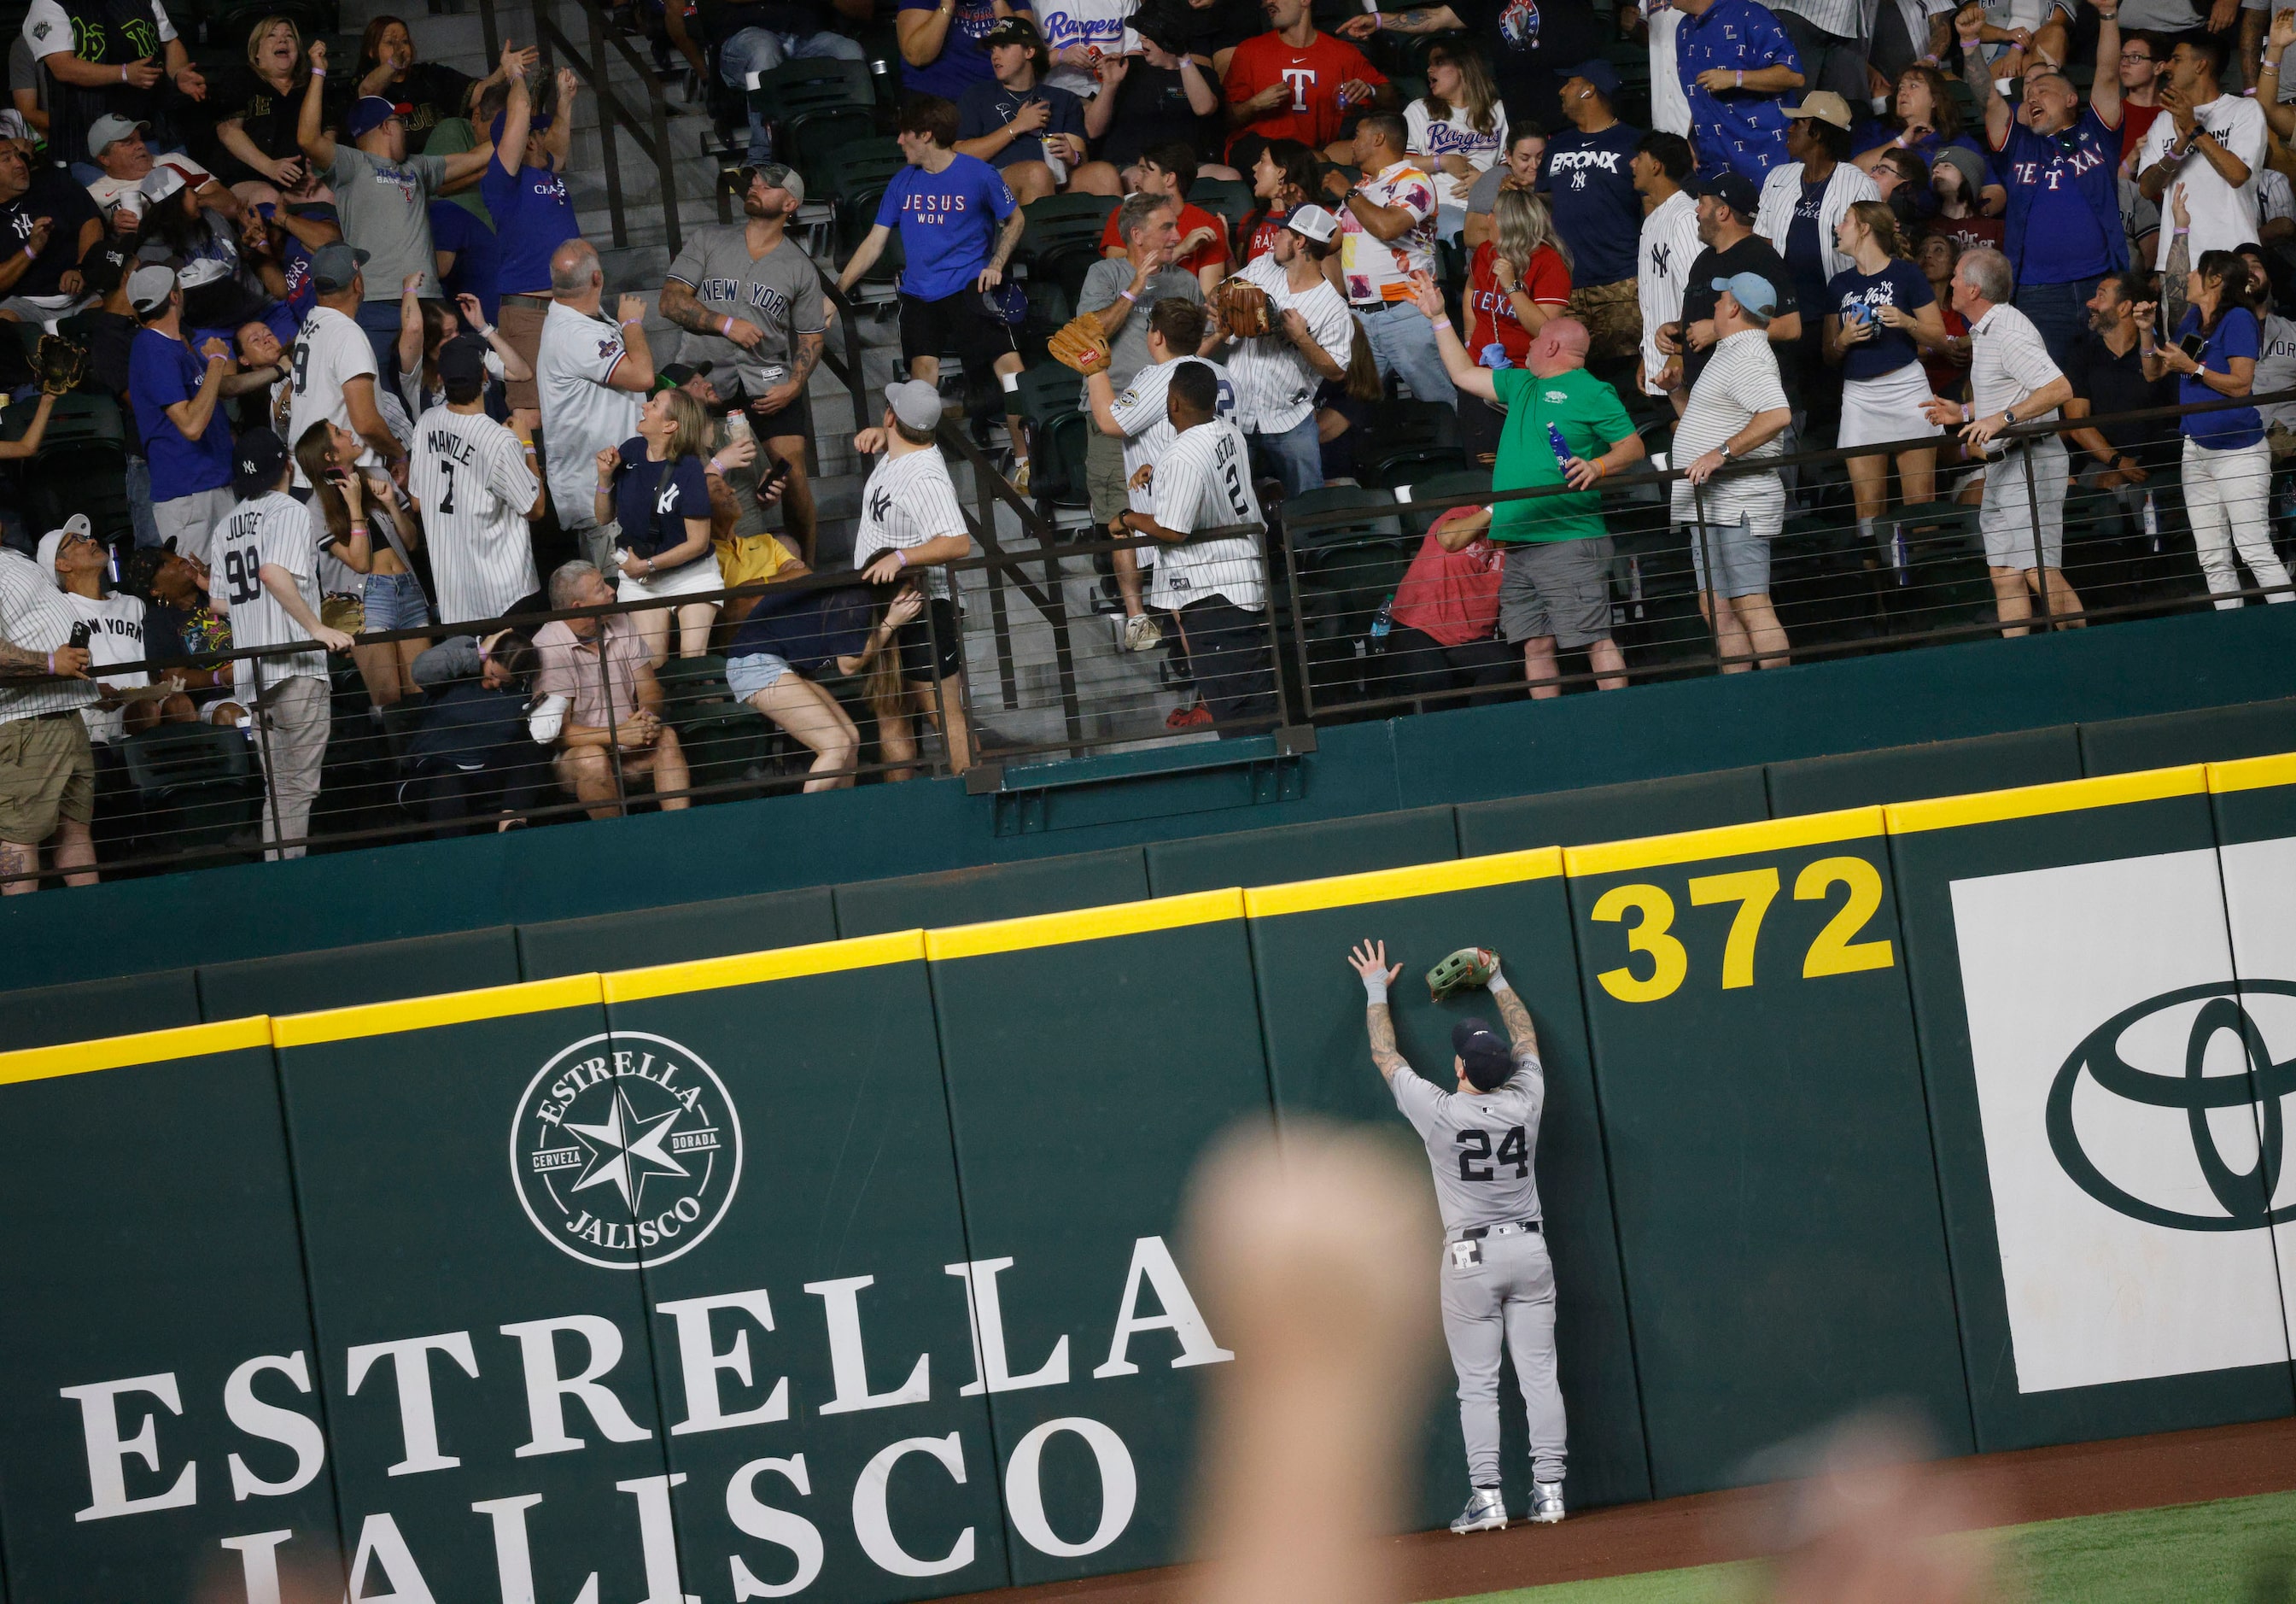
x: 1046, y: 674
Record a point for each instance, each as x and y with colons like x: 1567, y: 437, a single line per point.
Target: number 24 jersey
x: 1479, y: 1147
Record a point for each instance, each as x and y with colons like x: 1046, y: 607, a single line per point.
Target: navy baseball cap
x: 1481, y: 1054
x: 536, y: 123
x: 1596, y: 71
x: 255, y: 461
x: 1736, y: 191
x: 463, y: 359
x: 370, y: 112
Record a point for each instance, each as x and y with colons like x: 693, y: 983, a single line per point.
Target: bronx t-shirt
x: 1590, y: 187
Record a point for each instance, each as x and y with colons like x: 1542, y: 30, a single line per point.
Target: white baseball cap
x: 53, y: 542
x: 1313, y: 223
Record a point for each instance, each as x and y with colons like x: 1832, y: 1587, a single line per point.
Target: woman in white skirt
x: 657, y: 490
x: 2228, y: 463
x: 1881, y: 316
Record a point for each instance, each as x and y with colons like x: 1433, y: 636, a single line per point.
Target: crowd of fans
x: 366, y: 383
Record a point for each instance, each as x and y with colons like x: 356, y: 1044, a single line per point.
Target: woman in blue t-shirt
x: 1881, y: 316
x: 2227, y: 466
x: 657, y: 491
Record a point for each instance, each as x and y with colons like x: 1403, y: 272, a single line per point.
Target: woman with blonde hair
x: 1457, y: 128
x: 1881, y: 315
x: 262, y: 100
x: 656, y: 488
x: 372, y: 529
x: 1516, y: 280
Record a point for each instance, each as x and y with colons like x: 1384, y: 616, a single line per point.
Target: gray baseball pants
x: 1509, y: 1296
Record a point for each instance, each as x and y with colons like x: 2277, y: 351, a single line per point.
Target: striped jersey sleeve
x: 908, y: 501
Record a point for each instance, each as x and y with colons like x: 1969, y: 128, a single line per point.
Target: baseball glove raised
x: 1242, y: 307
x: 1081, y: 344
x: 60, y: 364
x: 1468, y: 966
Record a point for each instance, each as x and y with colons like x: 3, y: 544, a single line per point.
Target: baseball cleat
x: 1486, y: 1511
x: 1547, y: 1502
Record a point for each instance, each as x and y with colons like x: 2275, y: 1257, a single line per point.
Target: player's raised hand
x: 1369, y: 962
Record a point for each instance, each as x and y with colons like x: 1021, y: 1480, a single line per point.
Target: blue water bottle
x: 1561, y: 452
x: 1382, y: 622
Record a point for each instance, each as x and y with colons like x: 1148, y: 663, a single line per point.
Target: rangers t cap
x: 1482, y: 1054
x: 370, y: 113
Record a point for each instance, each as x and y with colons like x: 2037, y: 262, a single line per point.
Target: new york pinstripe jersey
x: 1143, y: 414
x: 470, y: 478
x: 908, y: 501
x: 279, y: 532
x: 1669, y: 244
x: 1204, y: 481
x: 1275, y: 386
x: 35, y: 617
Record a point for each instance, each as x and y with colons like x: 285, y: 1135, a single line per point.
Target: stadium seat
x: 723, y: 740
x: 1411, y: 441
x: 196, y: 784
x: 1419, y: 513
x: 1048, y: 390
x: 1345, y: 571
x: 1225, y: 199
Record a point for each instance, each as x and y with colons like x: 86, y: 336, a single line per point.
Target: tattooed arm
x: 1517, y: 1017
x: 1369, y: 962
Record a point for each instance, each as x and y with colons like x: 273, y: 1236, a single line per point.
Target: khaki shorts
x: 521, y: 325
x: 47, y: 777
x: 1104, y: 478
x: 1613, y: 316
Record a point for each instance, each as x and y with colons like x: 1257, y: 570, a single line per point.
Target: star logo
x: 625, y: 1150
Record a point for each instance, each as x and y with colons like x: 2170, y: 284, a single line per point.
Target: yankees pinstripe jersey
x: 35, y: 617
x: 908, y: 501
x: 279, y: 531
x: 470, y: 478
x: 1147, y: 420
x: 1204, y: 481
x: 1275, y: 386
x: 1669, y: 244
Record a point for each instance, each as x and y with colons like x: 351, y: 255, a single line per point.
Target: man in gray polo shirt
x: 752, y: 302
x: 383, y: 196
x: 1119, y: 290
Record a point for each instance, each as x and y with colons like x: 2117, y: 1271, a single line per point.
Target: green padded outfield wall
x: 847, y: 1270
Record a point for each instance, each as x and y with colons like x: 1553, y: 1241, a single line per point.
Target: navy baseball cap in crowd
x: 255, y: 461
x: 335, y: 266
x: 1596, y: 71
x: 1751, y: 290
x: 463, y: 359
x: 1481, y: 1054
x: 370, y: 112
x: 1013, y: 30
x: 536, y: 123
x: 1736, y: 191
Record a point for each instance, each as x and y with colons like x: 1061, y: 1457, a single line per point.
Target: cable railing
x: 195, y: 776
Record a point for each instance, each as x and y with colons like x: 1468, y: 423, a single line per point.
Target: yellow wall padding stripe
x: 2031, y: 802
x: 2254, y: 774
x: 427, y: 1013
x: 750, y: 968
x: 118, y: 1052
x: 1392, y: 884
x: 1084, y: 925
x: 1723, y: 840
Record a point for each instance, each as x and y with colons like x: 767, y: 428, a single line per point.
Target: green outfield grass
x: 2236, y: 1550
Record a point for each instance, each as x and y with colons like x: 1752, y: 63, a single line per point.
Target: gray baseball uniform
x: 1496, y: 1287
x: 779, y: 292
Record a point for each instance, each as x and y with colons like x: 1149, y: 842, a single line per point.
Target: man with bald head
x: 1557, y: 588
x: 592, y: 376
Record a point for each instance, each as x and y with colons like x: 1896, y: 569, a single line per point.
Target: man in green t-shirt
x: 1557, y: 588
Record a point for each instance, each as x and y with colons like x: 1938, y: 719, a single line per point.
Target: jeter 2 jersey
x: 1480, y: 1147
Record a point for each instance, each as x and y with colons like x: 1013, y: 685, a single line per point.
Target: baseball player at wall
x: 1499, y: 1283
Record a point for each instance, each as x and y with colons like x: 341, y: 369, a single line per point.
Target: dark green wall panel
x: 994, y: 891
x: 1078, y: 1121
x: 1319, y: 1062
x: 48, y: 1015
x: 410, y: 1150
x: 343, y: 977
x: 1302, y: 852
x: 646, y: 936
x: 847, y: 1176
x: 2246, y: 729
x: 179, y: 1265
x: 1658, y: 807
x: 1866, y: 779
x: 1777, y: 1205
x: 2025, y: 936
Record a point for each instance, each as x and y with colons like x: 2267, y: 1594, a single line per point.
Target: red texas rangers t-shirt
x: 1314, y: 115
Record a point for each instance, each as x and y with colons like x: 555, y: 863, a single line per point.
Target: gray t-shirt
x: 779, y: 292
x: 2158, y: 16
x: 386, y: 212
x: 1479, y: 1147
x: 1484, y: 194
x: 1105, y: 285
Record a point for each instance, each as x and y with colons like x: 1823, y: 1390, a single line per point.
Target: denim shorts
x: 395, y: 601
x: 754, y: 672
